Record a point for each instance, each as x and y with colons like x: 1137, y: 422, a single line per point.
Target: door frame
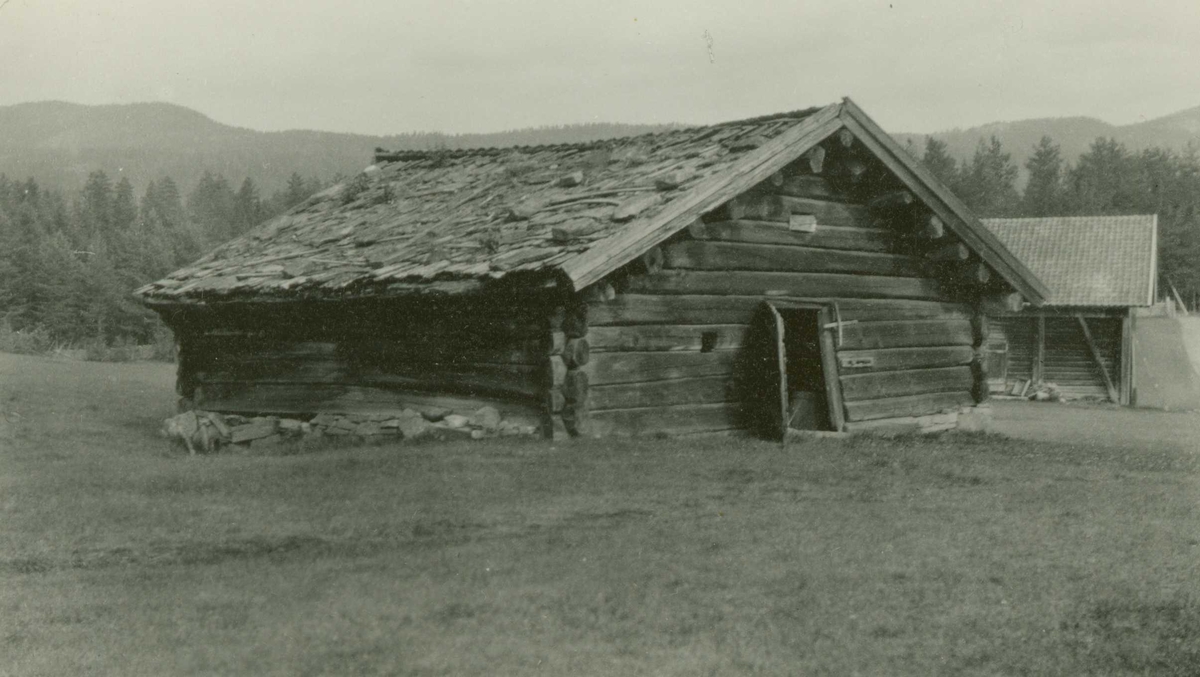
x: 826, y: 325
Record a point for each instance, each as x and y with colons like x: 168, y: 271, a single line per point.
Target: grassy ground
x: 959, y: 555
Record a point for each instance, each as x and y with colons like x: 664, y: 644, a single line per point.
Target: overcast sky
x: 462, y: 66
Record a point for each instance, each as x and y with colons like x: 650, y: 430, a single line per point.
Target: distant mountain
x: 59, y: 144
x: 1074, y: 135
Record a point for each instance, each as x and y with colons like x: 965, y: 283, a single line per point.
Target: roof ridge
x: 384, y: 155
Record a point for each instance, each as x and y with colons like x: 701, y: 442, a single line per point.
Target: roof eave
x: 930, y: 190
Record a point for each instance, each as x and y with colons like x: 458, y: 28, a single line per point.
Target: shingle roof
x: 467, y: 215
x: 1087, y: 260
x: 453, y: 221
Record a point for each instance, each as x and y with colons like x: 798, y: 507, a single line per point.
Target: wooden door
x: 781, y: 369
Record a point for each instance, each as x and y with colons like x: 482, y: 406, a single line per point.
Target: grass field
x: 956, y: 555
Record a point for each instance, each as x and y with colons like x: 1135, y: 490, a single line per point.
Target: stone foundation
x: 208, y: 431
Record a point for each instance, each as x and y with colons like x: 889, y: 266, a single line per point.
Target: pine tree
x: 248, y: 210
x: 988, y: 184
x: 937, y: 159
x: 1044, y: 192
x: 1098, y: 182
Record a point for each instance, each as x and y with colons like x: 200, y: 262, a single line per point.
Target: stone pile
x: 207, y: 430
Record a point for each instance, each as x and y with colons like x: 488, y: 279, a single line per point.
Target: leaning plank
x: 829, y: 213
x: 607, y: 368
x: 881, y: 384
x: 704, y: 390
x: 890, y: 359
x: 701, y: 255
x: 688, y: 419
x: 1091, y: 343
x: 906, y: 334
x: 913, y: 405
x: 825, y: 237
x: 785, y: 284
x: 667, y: 337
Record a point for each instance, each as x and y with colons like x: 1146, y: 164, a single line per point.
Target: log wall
x: 366, y: 358
x: 669, y: 353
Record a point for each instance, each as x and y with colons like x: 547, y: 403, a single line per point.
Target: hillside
x: 60, y: 143
x: 1073, y: 134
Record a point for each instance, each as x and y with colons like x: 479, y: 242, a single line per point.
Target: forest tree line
x: 68, y: 264
x: 1108, y: 179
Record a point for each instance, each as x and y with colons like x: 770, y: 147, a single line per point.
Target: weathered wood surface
x: 786, y: 284
x: 913, y: 405
x: 608, y: 368
x: 830, y: 371
x: 925, y: 424
x: 828, y: 213
x: 825, y: 237
x: 904, y: 358
x: 576, y: 352
x: 682, y: 420
x: 878, y: 385
x: 729, y: 256
x: 900, y: 199
x: 1098, y: 357
x: 670, y: 392
x: 906, y: 334
x: 951, y: 252
x: 666, y: 337
x: 682, y: 309
x: 500, y: 380
x: 809, y: 186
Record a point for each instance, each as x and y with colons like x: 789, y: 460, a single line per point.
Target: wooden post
x: 1127, y: 358
x: 1108, y: 384
x: 1039, y: 355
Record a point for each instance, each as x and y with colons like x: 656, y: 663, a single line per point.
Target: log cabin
x: 1099, y: 269
x: 792, y: 271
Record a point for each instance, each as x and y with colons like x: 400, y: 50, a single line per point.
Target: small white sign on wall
x: 802, y: 223
x: 857, y: 361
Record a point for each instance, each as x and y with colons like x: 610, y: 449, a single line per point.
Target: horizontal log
x: 607, y: 368
x: 890, y: 201
x: 688, y: 419
x: 913, y: 405
x: 724, y: 256
x: 951, y: 252
x: 757, y: 205
x: 576, y: 353
x: 728, y: 308
x: 525, y: 381
x: 828, y: 213
x: 808, y: 186
x: 284, y: 399
x: 858, y: 361
x: 906, y: 334
x: 785, y: 284
x: 878, y: 385
x: 655, y: 337
x: 825, y: 237
x: 672, y: 392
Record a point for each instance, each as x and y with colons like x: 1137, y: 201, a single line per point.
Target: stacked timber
x: 343, y: 358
